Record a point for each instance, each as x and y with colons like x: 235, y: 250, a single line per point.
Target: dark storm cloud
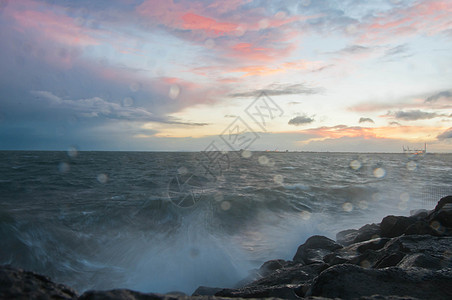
x: 437, y: 96
x: 300, y: 120
x: 445, y: 135
x: 277, y: 89
x: 363, y: 120
x: 413, y: 115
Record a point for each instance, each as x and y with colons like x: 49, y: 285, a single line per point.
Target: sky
x: 162, y: 75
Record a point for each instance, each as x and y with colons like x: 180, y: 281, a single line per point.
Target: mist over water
x: 103, y: 220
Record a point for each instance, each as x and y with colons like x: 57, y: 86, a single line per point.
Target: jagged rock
x: 314, y: 249
x: 352, y: 236
x: 364, y: 254
x: 271, y: 266
x: 293, y: 274
x: 442, y: 214
x: 350, y: 281
x: 20, y: 284
x: 279, y: 291
x: 392, y: 226
x: 206, y: 291
x: 346, y: 237
x: 421, y: 260
x: 380, y: 297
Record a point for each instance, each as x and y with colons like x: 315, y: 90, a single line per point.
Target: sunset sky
x: 308, y: 75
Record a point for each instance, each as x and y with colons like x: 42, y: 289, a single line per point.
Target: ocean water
x: 154, y: 222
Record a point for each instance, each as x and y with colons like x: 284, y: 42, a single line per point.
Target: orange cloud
x: 400, y: 132
x: 196, y: 22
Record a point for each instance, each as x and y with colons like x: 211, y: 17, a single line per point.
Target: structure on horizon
x: 407, y: 150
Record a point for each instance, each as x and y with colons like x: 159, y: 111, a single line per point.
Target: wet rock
x: 352, y: 236
x: 206, y: 291
x: 393, y: 226
x: 350, y: 281
x: 421, y: 260
x: 389, y: 260
x: 346, y: 237
x: 271, y: 266
x: 442, y: 214
x: 20, y: 284
x: 280, y: 291
x: 314, y: 249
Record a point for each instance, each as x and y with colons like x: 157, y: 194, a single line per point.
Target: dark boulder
x: 280, y: 291
x: 270, y: 266
x: 392, y: 226
x: 314, y: 249
x: 442, y: 215
x: 206, y: 291
x: 421, y: 260
x: 346, y: 237
x: 20, y: 284
x: 351, y: 281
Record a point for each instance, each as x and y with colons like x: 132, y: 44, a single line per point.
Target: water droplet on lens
x: 305, y: 215
x: 64, y: 167
x: 402, y: 205
x: 218, y: 197
x: 182, y: 171
x: 411, y: 166
x: 174, y: 91
x: 379, y: 172
x: 263, y: 160
x: 278, y: 179
x: 246, y: 154
x: 263, y: 24
x: 134, y: 87
x: 347, y: 206
x: 351, y: 29
x: 102, y: 178
x: 404, y: 197
x: 225, y: 205
x: 128, y: 101
x: 355, y: 164
x: 365, y: 264
x: 209, y: 43
x: 363, y: 204
x: 72, y: 152
x: 194, y: 252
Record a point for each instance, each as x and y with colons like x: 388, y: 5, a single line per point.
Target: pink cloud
x: 196, y: 22
x: 428, y: 17
x: 55, y: 27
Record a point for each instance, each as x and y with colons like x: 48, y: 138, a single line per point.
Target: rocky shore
x: 399, y: 258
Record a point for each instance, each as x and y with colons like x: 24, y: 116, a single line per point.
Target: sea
x: 173, y: 221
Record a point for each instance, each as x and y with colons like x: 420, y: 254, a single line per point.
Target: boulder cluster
x: 399, y: 258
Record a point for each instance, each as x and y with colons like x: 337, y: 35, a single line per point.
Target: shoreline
x: 398, y: 258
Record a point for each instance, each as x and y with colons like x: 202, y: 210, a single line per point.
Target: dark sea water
x: 154, y: 222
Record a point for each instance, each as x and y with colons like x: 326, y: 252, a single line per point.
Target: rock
x: 421, y: 260
x: 293, y: 274
x: 280, y: 291
x: 442, y: 215
x: 346, y: 237
x: 392, y: 226
x: 271, y: 266
x: 314, y: 249
x: 206, y: 291
x: 350, y: 281
x: 20, y: 284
